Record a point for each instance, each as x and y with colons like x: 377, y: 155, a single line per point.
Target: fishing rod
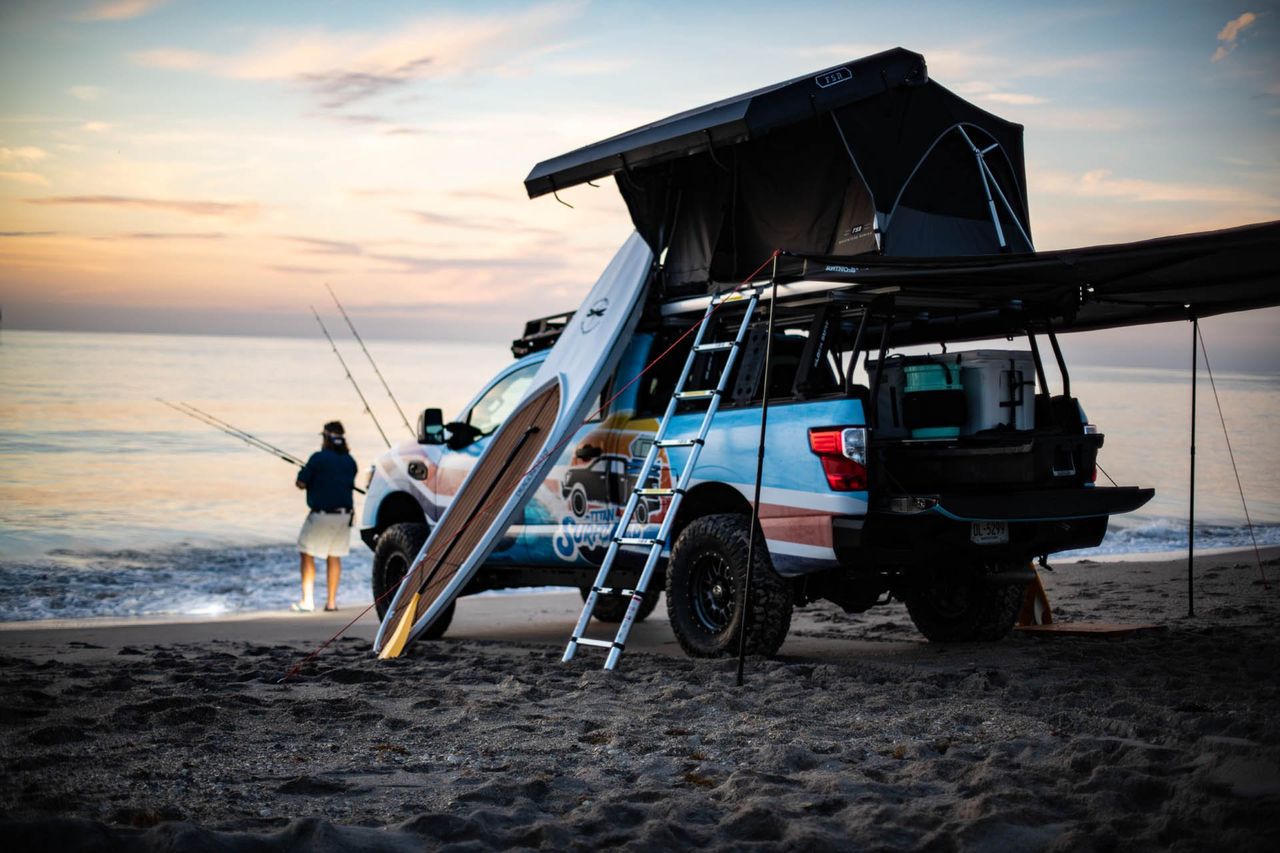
x: 219, y: 423
x: 372, y: 363
x: 343, y: 362
x: 235, y: 432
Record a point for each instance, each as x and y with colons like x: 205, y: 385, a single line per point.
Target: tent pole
x: 744, y: 607
x: 1191, y: 501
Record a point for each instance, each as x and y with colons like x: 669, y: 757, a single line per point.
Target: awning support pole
x: 1191, y: 501
x: 744, y: 606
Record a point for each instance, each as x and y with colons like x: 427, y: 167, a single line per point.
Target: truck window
x: 498, y: 402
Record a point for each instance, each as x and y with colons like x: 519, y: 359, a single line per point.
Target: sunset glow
x: 179, y: 166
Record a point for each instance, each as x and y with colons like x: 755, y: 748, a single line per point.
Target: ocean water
x: 112, y: 504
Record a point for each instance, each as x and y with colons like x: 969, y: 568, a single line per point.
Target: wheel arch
x: 399, y: 508
x: 709, y: 498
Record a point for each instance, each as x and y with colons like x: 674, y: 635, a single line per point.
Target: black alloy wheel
x: 706, y: 576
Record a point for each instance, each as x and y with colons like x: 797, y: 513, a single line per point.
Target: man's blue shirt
x: 330, y: 477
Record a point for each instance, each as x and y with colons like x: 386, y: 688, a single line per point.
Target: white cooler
x: 999, y: 389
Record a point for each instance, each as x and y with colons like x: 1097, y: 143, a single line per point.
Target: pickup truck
x: 931, y: 478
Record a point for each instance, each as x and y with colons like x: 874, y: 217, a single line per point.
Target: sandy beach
x: 859, y: 735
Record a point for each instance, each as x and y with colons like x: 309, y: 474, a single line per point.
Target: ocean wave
x: 71, y: 584
x: 191, y: 581
x: 1155, y: 535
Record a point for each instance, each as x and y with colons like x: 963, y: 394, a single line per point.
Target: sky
x: 207, y: 167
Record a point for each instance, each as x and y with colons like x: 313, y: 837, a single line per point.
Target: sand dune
x: 859, y: 736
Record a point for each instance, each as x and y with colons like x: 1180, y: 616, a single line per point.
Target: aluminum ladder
x: 656, y: 545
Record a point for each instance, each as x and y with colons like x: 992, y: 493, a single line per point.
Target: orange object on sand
x: 1035, y: 605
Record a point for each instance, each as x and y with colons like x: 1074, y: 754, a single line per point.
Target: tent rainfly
x: 868, y: 156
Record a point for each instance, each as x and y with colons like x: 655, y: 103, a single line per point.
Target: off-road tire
x: 955, y: 605
x: 398, y: 547
x: 611, y: 608
x: 707, y: 624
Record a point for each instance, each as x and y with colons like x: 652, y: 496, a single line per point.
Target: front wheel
x: 957, y: 604
x: 705, y: 580
x: 398, y: 547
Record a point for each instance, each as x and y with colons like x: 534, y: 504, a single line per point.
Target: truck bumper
x: 1038, y: 523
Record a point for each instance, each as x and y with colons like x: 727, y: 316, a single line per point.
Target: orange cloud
x: 238, y: 210
x: 1228, y: 34
x: 118, y: 10
x: 345, y: 68
x: 1101, y: 183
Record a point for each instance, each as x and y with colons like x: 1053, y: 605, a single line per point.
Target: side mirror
x: 431, y: 427
x: 461, y: 435
x: 588, y: 451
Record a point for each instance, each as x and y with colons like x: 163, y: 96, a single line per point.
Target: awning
x: 1097, y: 287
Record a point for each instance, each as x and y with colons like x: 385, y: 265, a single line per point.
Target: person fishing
x: 329, y: 478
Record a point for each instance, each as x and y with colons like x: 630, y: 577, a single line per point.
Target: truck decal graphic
x: 582, y: 536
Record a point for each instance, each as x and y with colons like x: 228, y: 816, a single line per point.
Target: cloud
x: 341, y: 69
x: 417, y: 264
x: 1102, y: 183
x: 28, y: 233
x: 414, y: 264
x: 980, y: 90
x: 289, y: 269
x: 489, y: 223
x: 23, y: 153
x: 234, y: 210
x: 96, y: 126
x: 172, y: 59
x: 168, y: 235
x: 117, y: 10
x: 1230, y: 33
x: 318, y: 246
x: 25, y: 178
x: 85, y: 93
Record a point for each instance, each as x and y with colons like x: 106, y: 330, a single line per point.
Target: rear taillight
x: 843, y: 451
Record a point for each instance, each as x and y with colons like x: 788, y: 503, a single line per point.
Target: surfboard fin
x: 400, y: 636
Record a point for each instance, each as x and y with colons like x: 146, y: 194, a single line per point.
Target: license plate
x: 989, y: 532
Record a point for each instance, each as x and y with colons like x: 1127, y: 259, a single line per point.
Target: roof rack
x: 540, y: 334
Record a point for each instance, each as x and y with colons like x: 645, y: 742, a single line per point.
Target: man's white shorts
x: 326, y: 534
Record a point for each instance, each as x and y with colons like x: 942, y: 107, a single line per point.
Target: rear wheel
x: 705, y: 580
x: 398, y: 547
x: 611, y: 608
x: 957, y: 604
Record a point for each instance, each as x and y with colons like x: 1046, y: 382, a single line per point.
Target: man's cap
x: 334, y: 433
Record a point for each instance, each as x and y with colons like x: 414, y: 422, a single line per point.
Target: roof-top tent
x: 868, y: 156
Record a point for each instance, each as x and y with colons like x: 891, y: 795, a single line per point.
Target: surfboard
x: 522, y: 451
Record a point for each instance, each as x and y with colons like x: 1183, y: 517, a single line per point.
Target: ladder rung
x: 717, y: 346
x: 661, y: 492
x: 609, y: 590
x: 696, y: 395
x: 731, y: 296
x: 600, y: 644
x: 628, y: 540
x: 679, y: 442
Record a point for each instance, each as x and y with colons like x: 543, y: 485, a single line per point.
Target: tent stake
x: 745, y: 608
x: 1191, y: 501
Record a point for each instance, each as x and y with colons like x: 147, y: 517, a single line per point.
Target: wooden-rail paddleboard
x: 508, y: 472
